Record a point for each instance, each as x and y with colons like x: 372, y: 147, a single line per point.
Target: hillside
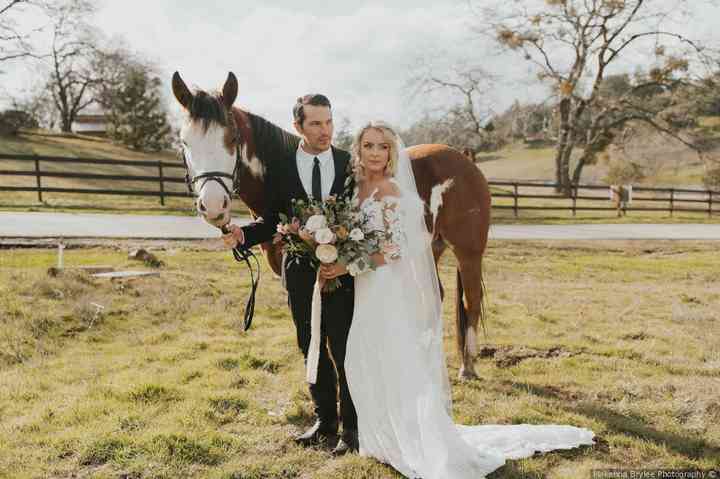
x: 49, y: 144
x: 666, y: 162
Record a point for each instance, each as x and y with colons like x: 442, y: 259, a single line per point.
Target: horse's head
x: 209, y: 146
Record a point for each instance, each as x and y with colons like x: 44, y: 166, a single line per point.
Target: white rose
x: 326, y: 253
x: 357, y: 235
x: 324, y: 236
x: 354, y: 269
x: 316, y: 222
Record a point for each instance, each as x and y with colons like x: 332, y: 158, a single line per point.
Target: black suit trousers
x: 337, y: 312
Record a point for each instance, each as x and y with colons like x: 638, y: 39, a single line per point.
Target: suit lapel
x: 340, y: 159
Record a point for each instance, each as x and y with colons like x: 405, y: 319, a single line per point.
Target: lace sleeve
x: 395, y: 241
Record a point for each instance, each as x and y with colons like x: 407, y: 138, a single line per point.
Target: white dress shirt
x: 305, y: 163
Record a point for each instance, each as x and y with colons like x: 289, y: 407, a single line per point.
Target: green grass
x: 666, y: 162
x: 619, y: 337
x: 78, y: 146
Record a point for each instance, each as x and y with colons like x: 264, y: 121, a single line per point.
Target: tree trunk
x: 66, y: 126
x: 562, y: 144
x: 565, y: 169
x: 584, y: 159
x: 558, y: 168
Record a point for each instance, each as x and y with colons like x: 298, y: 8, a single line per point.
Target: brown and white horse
x: 230, y: 149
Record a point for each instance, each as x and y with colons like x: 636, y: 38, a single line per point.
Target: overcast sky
x: 358, y: 53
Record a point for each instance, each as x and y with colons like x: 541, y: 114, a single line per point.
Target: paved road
x: 69, y: 225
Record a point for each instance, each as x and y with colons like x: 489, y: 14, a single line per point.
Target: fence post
x: 574, y: 199
x: 672, y: 201
x: 515, y: 199
x: 162, y: 185
x: 37, y: 179
x: 710, y: 203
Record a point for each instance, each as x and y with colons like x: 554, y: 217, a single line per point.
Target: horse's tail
x: 462, y: 319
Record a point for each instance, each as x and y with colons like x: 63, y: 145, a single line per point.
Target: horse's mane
x: 272, y: 143
x: 207, y: 108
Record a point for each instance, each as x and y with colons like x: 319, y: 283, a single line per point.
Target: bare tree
x: 73, y: 46
x: 466, y: 120
x: 14, y: 42
x: 574, y: 43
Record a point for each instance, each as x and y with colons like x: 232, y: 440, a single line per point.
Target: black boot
x: 321, y: 433
x: 347, y: 443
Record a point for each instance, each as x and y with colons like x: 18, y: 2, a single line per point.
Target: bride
x: 395, y: 363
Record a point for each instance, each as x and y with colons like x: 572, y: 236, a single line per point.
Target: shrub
x: 12, y: 120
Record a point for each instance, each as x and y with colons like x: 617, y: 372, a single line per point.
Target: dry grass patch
x: 617, y: 337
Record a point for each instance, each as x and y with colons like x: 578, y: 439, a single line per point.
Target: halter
x: 212, y: 175
x: 240, y: 253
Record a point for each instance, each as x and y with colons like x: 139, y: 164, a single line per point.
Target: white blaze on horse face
x: 208, y: 153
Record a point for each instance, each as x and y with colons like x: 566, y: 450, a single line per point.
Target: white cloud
x: 357, y: 53
x: 360, y: 58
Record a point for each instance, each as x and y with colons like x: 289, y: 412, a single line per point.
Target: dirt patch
x: 508, y: 356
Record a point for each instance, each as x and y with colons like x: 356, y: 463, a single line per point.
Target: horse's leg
x: 470, y: 308
x: 438, y: 248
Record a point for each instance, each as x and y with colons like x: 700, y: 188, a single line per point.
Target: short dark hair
x: 314, y: 99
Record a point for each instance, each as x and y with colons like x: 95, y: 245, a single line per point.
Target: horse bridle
x: 240, y: 252
x: 211, y: 175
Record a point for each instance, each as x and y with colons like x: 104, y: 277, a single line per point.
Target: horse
x: 230, y: 149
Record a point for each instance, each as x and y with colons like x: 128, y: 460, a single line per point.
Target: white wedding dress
x: 396, y: 369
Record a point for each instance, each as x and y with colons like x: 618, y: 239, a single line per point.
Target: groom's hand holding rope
x: 232, y: 236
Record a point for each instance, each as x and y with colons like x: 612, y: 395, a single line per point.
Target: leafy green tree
x: 137, y: 115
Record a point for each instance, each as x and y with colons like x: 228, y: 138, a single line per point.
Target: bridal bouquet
x: 329, y: 231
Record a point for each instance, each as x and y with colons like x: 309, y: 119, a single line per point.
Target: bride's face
x: 374, y: 151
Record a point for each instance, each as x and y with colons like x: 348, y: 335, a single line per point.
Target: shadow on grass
x: 629, y: 425
x: 688, y: 446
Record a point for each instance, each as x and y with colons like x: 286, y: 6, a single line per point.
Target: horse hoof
x: 467, y: 375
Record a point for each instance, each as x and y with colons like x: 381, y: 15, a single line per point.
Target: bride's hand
x: 332, y: 270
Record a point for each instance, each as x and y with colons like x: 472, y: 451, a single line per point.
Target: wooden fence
x: 620, y: 199
x: 583, y: 197
x: 160, y: 179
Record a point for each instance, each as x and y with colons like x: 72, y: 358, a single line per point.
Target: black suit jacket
x: 282, y: 185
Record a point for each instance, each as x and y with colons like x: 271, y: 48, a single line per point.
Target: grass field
x: 151, y: 378
x: 665, y: 161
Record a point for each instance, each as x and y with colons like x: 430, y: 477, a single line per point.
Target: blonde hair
x: 389, y: 135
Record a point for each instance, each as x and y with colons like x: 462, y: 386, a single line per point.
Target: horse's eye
x: 225, y: 203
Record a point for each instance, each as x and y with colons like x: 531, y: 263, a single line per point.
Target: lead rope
x: 241, y: 254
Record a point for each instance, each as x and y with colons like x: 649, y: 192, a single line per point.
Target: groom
x: 317, y: 170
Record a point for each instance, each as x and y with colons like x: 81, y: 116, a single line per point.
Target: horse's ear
x: 230, y: 90
x: 181, y: 91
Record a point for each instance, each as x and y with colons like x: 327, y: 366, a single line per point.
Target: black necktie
x: 316, y: 185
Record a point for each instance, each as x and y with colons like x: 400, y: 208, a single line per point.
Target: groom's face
x: 317, y: 128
